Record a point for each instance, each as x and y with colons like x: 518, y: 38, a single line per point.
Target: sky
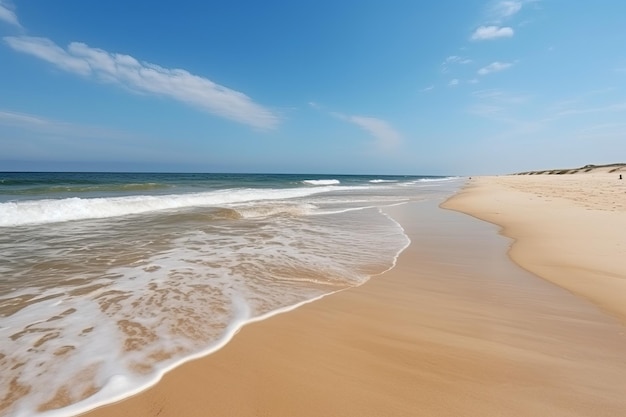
x: 448, y: 87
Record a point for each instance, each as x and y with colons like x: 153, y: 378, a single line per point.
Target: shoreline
x: 439, y: 334
x: 566, y: 229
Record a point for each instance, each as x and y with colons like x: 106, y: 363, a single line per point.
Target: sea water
x: 108, y: 280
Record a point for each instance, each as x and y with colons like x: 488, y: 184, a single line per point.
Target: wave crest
x: 321, y: 182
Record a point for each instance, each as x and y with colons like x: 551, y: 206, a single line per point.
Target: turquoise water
x: 109, y: 280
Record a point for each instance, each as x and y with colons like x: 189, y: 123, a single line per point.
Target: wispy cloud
x: 47, y: 50
x: 39, y: 124
x: 592, y: 101
x: 494, y: 67
x: 514, y: 127
x: 21, y: 119
x: 458, y: 60
x: 36, y: 137
x: 502, y: 107
x: 429, y: 88
x: 7, y: 15
x: 505, y: 9
x: 611, y: 108
x: 453, y: 82
x: 453, y: 60
x: 484, y: 33
x: 387, y: 137
x: 144, y: 77
x: 484, y: 110
x: 499, y: 96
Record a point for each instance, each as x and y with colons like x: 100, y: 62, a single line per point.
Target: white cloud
x: 454, y: 82
x: 48, y: 51
x: 7, y: 15
x: 386, y: 135
x: 491, y: 32
x: 429, y: 88
x: 455, y: 59
x: 378, y: 128
x: 501, y: 97
x: 144, y: 77
x: 494, y: 67
x: 507, y: 8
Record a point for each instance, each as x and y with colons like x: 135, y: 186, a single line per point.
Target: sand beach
x: 312, y: 209
x: 522, y: 314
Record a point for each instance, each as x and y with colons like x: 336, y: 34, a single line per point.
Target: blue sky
x: 382, y: 87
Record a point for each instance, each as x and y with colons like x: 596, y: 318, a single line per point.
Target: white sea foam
x: 215, y: 300
x: 267, y: 209
x: 437, y: 179
x: 188, y: 299
x: 321, y: 182
x: 49, y: 211
x: 382, y: 181
x: 186, y: 287
x: 119, y: 387
x: 429, y: 181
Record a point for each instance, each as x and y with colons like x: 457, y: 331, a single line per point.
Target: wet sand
x: 455, y: 329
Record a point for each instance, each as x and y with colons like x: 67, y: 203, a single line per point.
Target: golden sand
x: 455, y: 329
x: 569, y: 229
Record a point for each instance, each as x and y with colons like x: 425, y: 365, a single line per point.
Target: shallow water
x: 108, y: 280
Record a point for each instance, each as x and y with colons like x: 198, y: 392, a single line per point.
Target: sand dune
x: 587, y: 169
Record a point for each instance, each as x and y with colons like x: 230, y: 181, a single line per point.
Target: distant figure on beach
x: 620, y: 176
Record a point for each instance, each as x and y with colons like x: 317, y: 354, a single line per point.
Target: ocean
x: 108, y: 280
